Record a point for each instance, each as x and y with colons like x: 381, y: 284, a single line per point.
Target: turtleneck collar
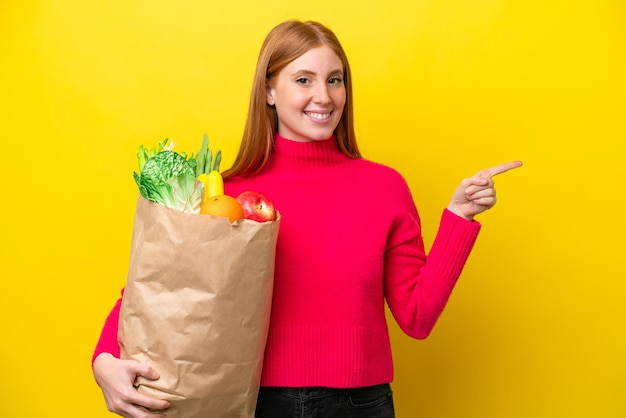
x: 294, y: 156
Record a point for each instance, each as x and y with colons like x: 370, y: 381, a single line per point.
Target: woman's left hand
x: 477, y: 193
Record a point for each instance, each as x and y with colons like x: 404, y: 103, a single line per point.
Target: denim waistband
x: 315, y: 392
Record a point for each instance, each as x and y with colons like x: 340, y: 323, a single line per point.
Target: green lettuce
x: 169, y: 178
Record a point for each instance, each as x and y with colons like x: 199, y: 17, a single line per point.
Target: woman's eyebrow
x: 312, y: 73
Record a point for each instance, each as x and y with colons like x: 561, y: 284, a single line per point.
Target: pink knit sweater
x: 349, y: 239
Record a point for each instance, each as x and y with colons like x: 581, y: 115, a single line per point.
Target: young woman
x: 350, y: 239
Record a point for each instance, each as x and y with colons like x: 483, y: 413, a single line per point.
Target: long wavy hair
x: 285, y: 43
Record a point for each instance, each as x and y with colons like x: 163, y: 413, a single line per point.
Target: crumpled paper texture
x: 196, y: 308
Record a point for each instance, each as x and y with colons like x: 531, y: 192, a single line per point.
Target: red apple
x: 256, y: 206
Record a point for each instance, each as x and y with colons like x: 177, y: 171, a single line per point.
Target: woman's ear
x: 269, y: 98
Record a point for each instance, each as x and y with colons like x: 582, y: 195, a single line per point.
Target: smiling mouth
x: 318, y: 116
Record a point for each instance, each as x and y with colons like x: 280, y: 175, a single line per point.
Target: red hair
x: 285, y: 43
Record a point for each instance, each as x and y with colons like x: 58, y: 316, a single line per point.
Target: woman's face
x: 309, y: 95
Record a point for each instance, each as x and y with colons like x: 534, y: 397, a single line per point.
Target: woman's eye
x: 335, y: 80
x: 302, y: 80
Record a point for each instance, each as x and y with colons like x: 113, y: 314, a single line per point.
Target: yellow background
x: 443, y: 88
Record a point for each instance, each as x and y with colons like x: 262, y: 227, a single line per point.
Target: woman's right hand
x: 116, y: 378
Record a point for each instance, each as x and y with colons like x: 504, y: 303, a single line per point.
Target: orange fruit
x: 223, y: 206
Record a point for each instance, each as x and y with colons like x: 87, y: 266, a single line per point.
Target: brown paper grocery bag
x: 196, y: 308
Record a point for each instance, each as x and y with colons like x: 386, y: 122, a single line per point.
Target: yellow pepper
x: 213, y: 184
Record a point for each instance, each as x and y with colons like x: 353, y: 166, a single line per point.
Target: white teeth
x: 319, y: 116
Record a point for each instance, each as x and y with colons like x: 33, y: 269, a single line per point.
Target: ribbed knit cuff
x: 453, y: 244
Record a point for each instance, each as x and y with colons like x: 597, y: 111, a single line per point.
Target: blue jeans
x: 319, y: 402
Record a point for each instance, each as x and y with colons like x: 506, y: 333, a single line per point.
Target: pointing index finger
x: 499, y: 169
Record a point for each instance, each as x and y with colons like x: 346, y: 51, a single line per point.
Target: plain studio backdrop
x: 443, y: 88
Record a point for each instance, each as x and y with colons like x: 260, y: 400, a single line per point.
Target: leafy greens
x: 169, y: 178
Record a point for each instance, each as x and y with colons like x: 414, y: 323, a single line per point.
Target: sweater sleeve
x: 108, y: 337
x: 418, y: 286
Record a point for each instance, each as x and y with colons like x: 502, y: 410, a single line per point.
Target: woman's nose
x: 321, y: 95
